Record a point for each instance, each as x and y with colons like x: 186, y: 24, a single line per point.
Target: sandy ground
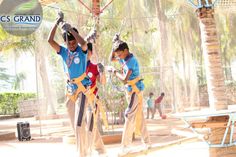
x: 47, y: 140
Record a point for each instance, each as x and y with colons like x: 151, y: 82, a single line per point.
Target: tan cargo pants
x: 94, y: 134
x: 77, y: 115
x: 136, y: 107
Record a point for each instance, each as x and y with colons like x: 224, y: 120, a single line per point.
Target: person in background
x: 150, y: 105
x: 158, y: 105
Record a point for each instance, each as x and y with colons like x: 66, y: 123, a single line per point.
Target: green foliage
x: 9, y: 101
x: 4, y: 77
x: 14, y: 42
x: 18, y: 79
x: 231, y: 84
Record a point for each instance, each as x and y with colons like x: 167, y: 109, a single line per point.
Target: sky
x: 25, y: 64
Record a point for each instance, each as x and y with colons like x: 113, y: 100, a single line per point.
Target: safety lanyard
x: 70, y: 58
x: 122, y: 66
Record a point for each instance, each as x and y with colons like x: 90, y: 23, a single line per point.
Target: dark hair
x: 69, y: 35
x: 151, y: 94
x: 90, y: 46
x: 162, y: 94
x: 119, y: 46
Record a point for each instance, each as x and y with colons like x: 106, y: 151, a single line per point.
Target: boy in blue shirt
x: 150, y: 105
x: 134, y: 118
x: 74, y: 57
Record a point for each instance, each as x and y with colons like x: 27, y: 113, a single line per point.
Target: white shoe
x: 124, y: 151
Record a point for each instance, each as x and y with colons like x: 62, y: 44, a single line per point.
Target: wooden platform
x: 209, y: 124
x: 6, y: 135
x: 222, y: 121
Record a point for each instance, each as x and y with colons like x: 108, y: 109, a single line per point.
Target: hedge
x: 9, y: 100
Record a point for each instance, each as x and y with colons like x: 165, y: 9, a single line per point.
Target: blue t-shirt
x: 150, y: 103
x: 74, y: 63
x: 131, y: 63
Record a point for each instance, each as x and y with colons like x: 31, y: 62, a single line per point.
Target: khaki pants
x: 94, y: 134
x: 136, y: 106
x: 77, y: 115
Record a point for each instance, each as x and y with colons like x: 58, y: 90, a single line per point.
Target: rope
x: 123, y: 23
x: 131, y: 22
x: 115, y: 87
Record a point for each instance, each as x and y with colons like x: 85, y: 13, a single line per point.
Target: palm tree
x: 163, y: 38
x: 18, y: 45
x: 18, y: 81
x: 211, y: 52
x: 214, y: 74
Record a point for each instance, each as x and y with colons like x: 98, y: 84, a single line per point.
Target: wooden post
x: 96, y: 7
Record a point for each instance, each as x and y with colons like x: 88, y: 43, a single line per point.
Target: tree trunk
x: 211, y: 53
x: 46, y: 85
x: 215, y: 77
x: 165, y: 56
x: 163, y: 40
x: 49, y: 107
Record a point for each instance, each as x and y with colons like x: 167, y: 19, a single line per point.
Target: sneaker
x: 124, y: 151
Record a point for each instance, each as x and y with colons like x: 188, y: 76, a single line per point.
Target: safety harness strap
x: 81, y: 88
x: 132, y: 83
x: 139, y: 113
x: 100, y: 107
x: 90, y: 97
